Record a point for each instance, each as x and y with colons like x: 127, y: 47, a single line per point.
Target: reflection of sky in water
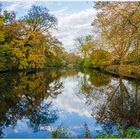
x: 22, y: 130
x: 71, y: 110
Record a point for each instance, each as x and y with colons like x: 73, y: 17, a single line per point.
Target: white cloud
x: 12, y: 7
x: 71, y: 26
x: 59, y: 12
x: 19, y: 5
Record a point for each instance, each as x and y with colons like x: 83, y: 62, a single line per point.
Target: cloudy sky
x: 74, y: 18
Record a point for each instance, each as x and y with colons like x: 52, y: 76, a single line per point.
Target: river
x: 35, y: 105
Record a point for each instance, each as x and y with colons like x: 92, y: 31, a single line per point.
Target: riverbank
x: 126, y: 71
x: 129, y: 71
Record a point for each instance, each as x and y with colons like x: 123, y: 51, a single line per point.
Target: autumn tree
x: 27, y: 39
x: 119, y: 24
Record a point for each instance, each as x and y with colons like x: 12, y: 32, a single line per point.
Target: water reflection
x: 22, y: 95
x: 40, y: 102
x: 115, y: 100
x: 97, y: 78
x: 122, y: 105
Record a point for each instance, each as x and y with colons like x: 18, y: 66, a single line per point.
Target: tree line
x: 27, y: 42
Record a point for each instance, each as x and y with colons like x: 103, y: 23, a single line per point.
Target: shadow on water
x: 113, y: 102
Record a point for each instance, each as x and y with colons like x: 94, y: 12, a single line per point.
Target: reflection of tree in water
x: 93, y: 79
x: 94, y: 83
x: 42, y: 116
x: 122, y: 106
x: 99, y: 79
x: 86, y: 86
x: 114, y: 102
x: 54, y: 89
x: 96, y: 78
x: 70, y: 72
x: 22, y: 96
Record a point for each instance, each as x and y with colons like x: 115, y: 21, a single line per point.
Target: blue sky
x: 74, y: 18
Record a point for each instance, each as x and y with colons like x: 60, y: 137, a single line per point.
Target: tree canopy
x: 26, y: 42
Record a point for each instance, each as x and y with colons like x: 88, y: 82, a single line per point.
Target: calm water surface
x: 34, y: 105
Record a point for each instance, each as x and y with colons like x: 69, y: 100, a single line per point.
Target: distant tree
x: 85, y: 44
x: 2, y: 36
x: 71, y: 58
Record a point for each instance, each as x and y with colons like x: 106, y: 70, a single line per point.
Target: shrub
x: 129, y: 133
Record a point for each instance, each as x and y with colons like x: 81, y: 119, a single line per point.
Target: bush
x: 60, y: 132
x: 129, y: 133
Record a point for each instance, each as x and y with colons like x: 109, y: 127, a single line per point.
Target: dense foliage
x: 26, y: 43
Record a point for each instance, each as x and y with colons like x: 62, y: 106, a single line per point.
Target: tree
x: 5, y: 59
x: 27, y: 40
x: 86, y: 45
x: 119, y: 24
x: 39, y: 19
